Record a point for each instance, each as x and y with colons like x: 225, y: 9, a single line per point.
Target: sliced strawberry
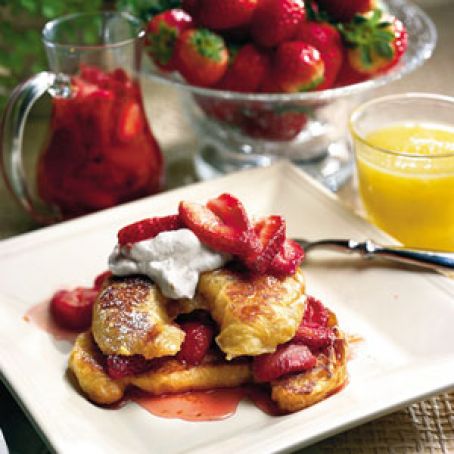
x: 196, y: 343
x: 287, y: 359
x: 315, y: 314
x: 72, y: 309
x: 288, y: 259
x: 148, y: 228
x: 100, y: 278
x: 315, y: 338
x: 212, y: 231
x: 231, y: 211
x: 119, y: 366
x: 271, y: 234
x: 130, y: 121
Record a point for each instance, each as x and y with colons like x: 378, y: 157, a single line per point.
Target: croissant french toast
x: 204, y: 300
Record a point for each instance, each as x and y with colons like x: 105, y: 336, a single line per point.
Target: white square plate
x: 404, y: 316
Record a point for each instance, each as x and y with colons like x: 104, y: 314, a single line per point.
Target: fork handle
x: 428, y: 259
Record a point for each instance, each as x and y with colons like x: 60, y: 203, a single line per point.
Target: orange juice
x: 406, y: 182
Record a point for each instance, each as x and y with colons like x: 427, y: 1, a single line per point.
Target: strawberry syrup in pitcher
x: 100, y: 151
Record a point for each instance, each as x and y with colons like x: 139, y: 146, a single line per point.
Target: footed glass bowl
x: 240, y: 130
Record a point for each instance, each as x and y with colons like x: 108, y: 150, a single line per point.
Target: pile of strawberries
x: 275, y: 45
x: 223, y: 225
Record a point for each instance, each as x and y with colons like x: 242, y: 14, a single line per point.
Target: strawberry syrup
x: 212, y: 405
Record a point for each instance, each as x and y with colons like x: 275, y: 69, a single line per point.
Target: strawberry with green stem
x: 162, y: 33
x: 327, y: 40
x: 375, y: 44
x: 202, y: 57
x: 298, y: 67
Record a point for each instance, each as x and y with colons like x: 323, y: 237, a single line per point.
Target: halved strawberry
x: 288, y: 258
x: 72, y: 309
x: 315, y: 313
x: 130, y: 121
x: 119, y: 366
x: 287, y: 359
x: 271, y: 235
x: 314, y: 337
x: 230, y: 210
x: 213, y: 231
x: 196, y: 343
x: 148, y: 228
x: 100, y: 278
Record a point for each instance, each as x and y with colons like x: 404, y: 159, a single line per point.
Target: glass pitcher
x: 100, y: 150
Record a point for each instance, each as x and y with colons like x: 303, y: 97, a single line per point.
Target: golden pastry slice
x: 130, y: 318
x: 295, y: 392
x: 169, y: 375
x: 255, y: 314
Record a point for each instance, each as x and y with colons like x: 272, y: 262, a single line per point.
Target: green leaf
x: 366, y: 57
x: 383, y: 35
x: 384, y: 50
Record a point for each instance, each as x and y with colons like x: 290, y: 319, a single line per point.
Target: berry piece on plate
x: 72, y: 309
x: 197, y: 341
x: 213, y: 231
x: 202, y: 57
x: 298, y: 67
x: 148, y: 228
x: 375, y: 44
x: 315, y: 338
x: 288, y: 259
x: 315, y: 314
x: 100, y: 278
x: 223, y: 15
x: 276, y: 21
x: 271, y: 234
x: 287, y: 359
x: 345, y: 10
x: 246, y: 70
x: 271, y: 125
x: 130, y: 121
x: 119, y: 366
x: 327, y: 40
x: 161, y: 37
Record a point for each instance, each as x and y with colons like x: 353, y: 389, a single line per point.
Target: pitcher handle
x: 12, y: 131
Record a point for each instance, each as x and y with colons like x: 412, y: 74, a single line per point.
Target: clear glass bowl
x: 240, y: 130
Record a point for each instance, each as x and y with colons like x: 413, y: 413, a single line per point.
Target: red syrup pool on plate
x: 40, y: 316
x: 212, y: 405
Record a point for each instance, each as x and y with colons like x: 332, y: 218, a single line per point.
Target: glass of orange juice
x: 404, y: 146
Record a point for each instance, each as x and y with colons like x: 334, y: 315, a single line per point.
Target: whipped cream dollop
x: 173, y: 260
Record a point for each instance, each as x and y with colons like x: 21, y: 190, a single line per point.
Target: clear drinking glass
x: 404, y: 148
x: 100, y: 150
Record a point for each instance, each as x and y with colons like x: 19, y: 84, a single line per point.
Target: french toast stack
x: 264, y: 328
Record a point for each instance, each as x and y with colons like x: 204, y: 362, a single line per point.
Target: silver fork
x: 435, y: 260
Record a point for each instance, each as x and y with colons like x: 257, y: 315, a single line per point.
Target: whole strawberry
x: 202, y: 57
x: 224, y: 14
x: 298, y: 67
x: 279, y: 125
x: 375, y: 44
x: 328, y: 41
x: 246, y: 70
x: 276, y: 21
x: 161, y: 37
x: 345, y: 10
